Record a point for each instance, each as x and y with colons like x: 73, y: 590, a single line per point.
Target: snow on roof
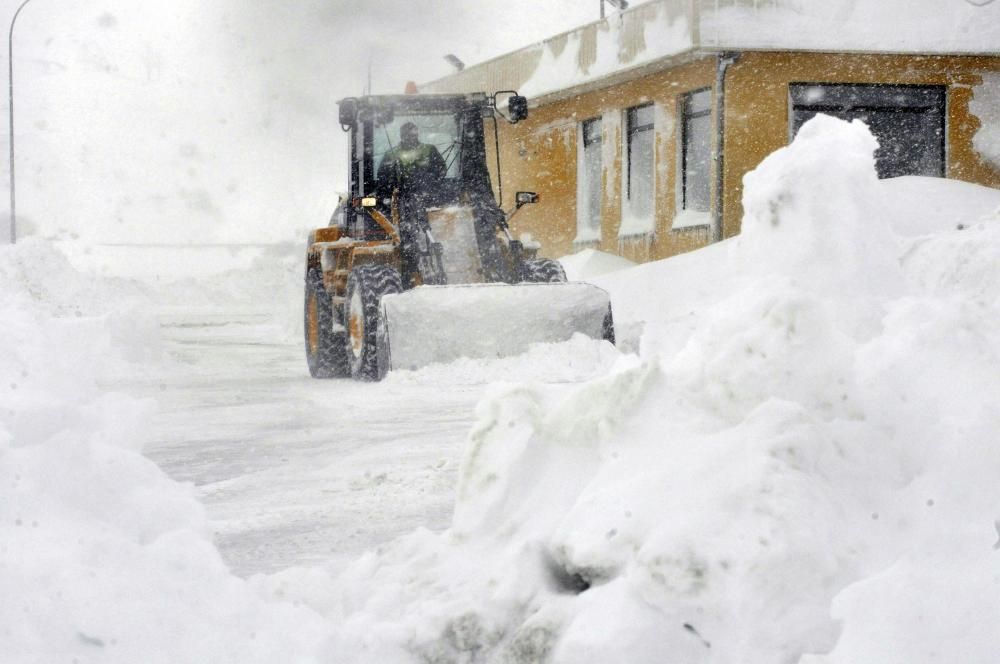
x: 657, y: 30
x: 623, y: 42
x: 893, y: 26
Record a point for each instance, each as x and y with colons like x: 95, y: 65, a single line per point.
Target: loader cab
x: 452, y: 124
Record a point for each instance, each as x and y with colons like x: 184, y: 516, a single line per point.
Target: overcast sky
x: 194, y: 120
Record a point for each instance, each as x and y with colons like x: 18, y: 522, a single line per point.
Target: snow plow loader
x: 418, y: 264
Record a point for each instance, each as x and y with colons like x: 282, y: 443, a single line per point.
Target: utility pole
x: 10, y: 101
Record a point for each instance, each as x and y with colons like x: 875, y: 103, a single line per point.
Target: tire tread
x: 374, y: 280
x: 544, y: 271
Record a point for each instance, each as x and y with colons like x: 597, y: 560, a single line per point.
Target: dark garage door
x: 907, y: 120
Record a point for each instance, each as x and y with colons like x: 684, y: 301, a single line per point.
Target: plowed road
x: 295, y: 471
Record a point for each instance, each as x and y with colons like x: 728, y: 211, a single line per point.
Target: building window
x: 695, y: 159
x: 589, y: 189
x: 637, y: 213
x: 907, y: 120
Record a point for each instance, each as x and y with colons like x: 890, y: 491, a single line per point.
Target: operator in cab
x: 413, y: 168
x: 416, y: 171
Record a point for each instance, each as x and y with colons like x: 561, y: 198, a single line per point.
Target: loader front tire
x: 362, y: 312
x: 325, y: 351
x: 543, y: 271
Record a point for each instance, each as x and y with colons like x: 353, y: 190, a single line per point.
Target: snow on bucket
x: 486, y: 321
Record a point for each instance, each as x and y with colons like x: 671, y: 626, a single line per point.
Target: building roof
x: 660, y: 32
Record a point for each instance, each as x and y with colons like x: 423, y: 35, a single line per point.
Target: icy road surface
x: 295, y: 471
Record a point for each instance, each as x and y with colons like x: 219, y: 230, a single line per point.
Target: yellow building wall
x: 757, y: 107
x: 540, y: 154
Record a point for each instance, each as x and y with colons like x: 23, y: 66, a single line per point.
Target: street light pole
x: 10, y: 98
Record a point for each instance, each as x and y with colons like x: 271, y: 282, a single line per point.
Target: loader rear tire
x: 362, y: 312
x: 326, y: 354
x: 544, y: 271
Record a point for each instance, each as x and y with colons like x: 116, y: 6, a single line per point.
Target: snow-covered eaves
x: 873, y: 26
x: 622, y: 44
x: 665, y: 32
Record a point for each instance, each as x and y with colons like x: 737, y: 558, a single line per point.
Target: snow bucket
x: 431, y: 324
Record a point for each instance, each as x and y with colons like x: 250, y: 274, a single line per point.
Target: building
x: 643, y: 125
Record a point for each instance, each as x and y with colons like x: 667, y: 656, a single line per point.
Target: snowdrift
x: 799, y: 465
x: 589, y: 263
x: 102, y: 557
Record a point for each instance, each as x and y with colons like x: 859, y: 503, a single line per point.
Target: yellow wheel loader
x: 418, y: 264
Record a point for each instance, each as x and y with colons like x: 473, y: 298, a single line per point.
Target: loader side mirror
x: 517, y: 108
x: 525, y: 198
x: 348, y: 112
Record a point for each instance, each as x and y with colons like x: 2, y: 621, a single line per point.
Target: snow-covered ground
x: 798, y: 464
x: 295, y: 471
x: 102, y: 556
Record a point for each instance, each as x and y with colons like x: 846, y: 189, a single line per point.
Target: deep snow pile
x: 800, y: 466
x: 102, y: 557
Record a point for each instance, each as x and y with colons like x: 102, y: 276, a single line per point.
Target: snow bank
x: 589, y: 263
x: 102, y: 557
x: 919, y: 205
x: 259, y: 280
x: 797, y: 466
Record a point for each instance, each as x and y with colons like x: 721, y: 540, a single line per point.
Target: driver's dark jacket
x: 414, y: 171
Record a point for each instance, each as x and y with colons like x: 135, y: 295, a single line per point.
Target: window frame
x: 686, y: 115
x: 630, y: 131
x: 930, y: 99
x: 585, y: 233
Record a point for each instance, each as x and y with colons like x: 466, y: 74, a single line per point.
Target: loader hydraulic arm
x: 391, y: 229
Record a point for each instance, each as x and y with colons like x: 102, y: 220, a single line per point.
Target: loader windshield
x: 439, y: 130
x: 429, y: 147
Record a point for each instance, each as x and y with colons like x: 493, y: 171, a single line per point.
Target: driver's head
x: 409, y: 136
